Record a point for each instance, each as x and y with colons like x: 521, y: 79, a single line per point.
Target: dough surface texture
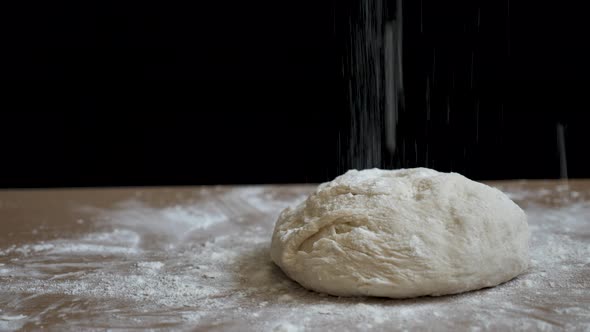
x: 401, y: 233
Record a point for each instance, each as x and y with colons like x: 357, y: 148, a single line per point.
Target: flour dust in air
x: 375, y: 82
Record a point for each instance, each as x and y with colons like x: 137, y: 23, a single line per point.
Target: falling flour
x: 206, y: 264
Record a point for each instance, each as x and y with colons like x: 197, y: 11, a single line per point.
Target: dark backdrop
x: 160, y: 93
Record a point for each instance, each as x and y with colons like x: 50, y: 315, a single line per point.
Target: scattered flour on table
x: 11, y: 322
x: 287, y: 327
x: 10, y: 318
x: 184, y: 266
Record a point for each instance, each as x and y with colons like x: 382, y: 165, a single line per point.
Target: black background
x: 162, y: 93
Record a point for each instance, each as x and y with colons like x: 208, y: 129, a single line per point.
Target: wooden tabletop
x: 197, y: 258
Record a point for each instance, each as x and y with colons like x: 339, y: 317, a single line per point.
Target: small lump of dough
x: 400, y: 234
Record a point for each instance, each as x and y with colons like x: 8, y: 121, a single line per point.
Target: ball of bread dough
x: 401, y: 233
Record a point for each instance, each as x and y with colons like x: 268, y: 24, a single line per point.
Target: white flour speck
x: 9, y: 318
x: 150, y: 265
x: 287, y: 327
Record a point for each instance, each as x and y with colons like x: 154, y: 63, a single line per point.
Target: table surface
x: 198, y: 258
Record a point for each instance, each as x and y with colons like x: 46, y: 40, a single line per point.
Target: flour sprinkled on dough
x: 402, y: 233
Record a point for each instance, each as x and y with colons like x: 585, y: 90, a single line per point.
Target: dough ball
x: 401, y: 233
